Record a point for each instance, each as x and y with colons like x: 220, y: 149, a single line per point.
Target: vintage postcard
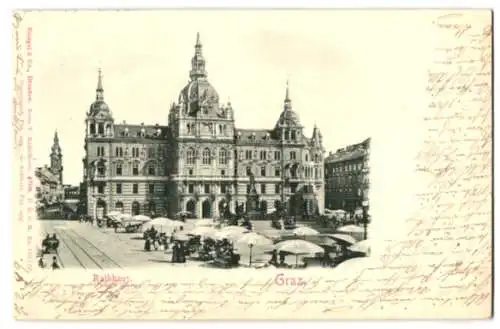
x: 252, y: 164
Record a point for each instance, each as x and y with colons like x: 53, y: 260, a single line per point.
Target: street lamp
x: 251, y: 247
x: 365, y: 205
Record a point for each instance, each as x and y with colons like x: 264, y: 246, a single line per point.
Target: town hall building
x: 200, y: 162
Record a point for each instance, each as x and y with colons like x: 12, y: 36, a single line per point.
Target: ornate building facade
x: 347, y: 177
x: 201, y: 161
x: 49, y: 179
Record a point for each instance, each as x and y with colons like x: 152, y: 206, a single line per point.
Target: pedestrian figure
x: 282, y: 258
x: 274, y: 258
x: 41, y: 263
x: 55, y: 266
x: 175, y: 251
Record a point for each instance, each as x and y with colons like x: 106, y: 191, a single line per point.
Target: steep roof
x: 142, y: 131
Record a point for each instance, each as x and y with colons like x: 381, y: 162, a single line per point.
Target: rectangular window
x: 292, y: 155
x: 151, y: 188
x: 263, y: 171
x: 293, y: 188
x: 223, y: 172
x: 151, y: 169
x: 248, y: 155
x: 263, y: 188
x: 263, y: 155
x: 100, y: 189
x: 191, y: 188
x: 207, y: 188
x: 135, y: 169
x: 223, y: 188
x: 277, y: 172
x: 119, y: 169
x: 190, y: 172
x: 135, y: 188
x: 151, y: 152
x: 277, y: 188
x: 118, y: 188
x: 165, y: 189
x: 277, y: 155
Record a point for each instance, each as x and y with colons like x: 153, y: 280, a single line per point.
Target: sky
x: 337, y: 69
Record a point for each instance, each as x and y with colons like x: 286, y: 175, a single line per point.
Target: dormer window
x: 143, y: 132
x: 158, y: 132
x: 253, y: 136
x: 126, y: 132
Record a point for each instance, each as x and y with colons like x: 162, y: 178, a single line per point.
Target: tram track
x: 88, y: 256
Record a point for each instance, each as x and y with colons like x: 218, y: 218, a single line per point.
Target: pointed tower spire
x: 197, y: 62
x: 99, y: 89
x: 288, y: 101
x: 56, y: 148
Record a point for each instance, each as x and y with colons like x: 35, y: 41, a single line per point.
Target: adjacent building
x: 347, y: 177
x: 200, y: 162
x: 49, y: 179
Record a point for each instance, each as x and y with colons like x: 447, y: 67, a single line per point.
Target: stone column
x: 199, y: 209
x: 215, y: 208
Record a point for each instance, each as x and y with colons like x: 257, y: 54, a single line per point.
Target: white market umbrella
x: 351, y: 229
x: 298, y: 247
x: 363, y: 246
x: 165, y: 224
x: 141, y: 218
x: 204, y: 223
x: 113, y: 213
x: 229, y: 235
x: 233, y: 228
x: 305, y: 231
x: 343, y: 238
x: 181, y: 237
x: 203, y: 231
x: 252, y: 239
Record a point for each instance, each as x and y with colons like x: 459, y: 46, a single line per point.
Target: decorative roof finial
x: 198, y: 42
x: 287, y: 94
x: 100, y: 89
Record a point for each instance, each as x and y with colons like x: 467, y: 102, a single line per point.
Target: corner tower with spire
x: 99, y: 120
x: 288, y: 126
x: 56, y: 166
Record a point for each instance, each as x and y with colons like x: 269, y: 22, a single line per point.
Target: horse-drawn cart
x: 50, y: 246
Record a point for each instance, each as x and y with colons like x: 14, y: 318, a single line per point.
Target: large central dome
x: 198, y: 90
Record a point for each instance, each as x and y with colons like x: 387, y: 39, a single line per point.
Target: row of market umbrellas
x: 241, y: 236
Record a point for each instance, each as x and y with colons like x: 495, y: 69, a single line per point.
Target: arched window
x: 223, y: 157
x: 190, y: 158
x: 92, y: 128
x: 119, y: 206
x: 206, y: 157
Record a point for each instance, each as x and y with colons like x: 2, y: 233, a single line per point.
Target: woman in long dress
x: 175, y: 252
